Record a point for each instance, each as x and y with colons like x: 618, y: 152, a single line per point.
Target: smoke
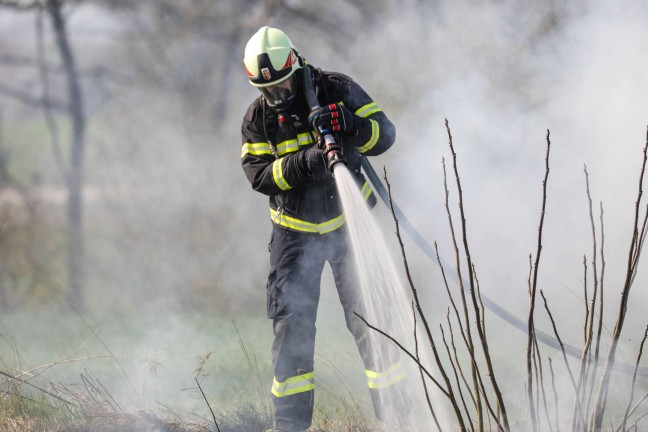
x: 503, y: 76
x: 177, y: 227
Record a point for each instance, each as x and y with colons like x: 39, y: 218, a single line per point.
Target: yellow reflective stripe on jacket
x: 375, y: 134
x: 277, y: 175
x: 300, y: 225
x: 293, y: 145
x: 297, y: 384
x: 367, y: 110
x: 377, y: 380
x: 255, y: 149
x: 322, y: 228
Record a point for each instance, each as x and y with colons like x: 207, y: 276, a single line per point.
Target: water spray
x: 498, y: 310
x: 382, y: 295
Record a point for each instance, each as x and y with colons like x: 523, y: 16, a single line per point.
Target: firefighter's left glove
x: 333, y: 118
x: 314, y: 163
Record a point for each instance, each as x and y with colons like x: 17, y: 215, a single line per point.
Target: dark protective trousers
x: 296, y: 264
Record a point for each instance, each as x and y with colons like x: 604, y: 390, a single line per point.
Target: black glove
x: 332, y: 118
x: 314, y: 162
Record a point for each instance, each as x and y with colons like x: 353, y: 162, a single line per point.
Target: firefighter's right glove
x: 314, y: 163
x: 332, y: 118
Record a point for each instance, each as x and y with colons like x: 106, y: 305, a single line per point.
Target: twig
x: 418, y: 359
x: 555, y: 394
x: 636, y: 406
x: 601, y: 304
x: 482, y: 335
x: 43, y: 368
x: 426, y: 326
x: 577, y: 414
x: 115, y: 359
x: 55, y: 396
x: 254, y: 368
x: 633, y: 259
x: 634, y: 380
x: 412, y: 356
x: 457, y: 370
x: 589, y: 330
x: 207, y: 402
x: 586, y: 305
x: 541, y: 386
x: 534, y: 285
x: 466, y: 330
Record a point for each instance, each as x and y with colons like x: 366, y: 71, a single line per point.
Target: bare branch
x: 207, y: 402
x: 473, y: 294
x: 634, y: 380
x: 534, y: 285
x: 426, y: 326
x: 412, y: 356
x: 633, y: 258
x: 418, y: 359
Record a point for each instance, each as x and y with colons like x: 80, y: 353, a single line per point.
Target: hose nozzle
x: 332, y: 152
x: 334, y: 157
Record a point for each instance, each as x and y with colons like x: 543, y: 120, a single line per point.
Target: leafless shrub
x: 589, y: 398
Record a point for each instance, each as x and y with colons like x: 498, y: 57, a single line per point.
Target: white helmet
x: 270, y: 59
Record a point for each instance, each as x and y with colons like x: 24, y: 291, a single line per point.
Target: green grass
x: 149, y: 363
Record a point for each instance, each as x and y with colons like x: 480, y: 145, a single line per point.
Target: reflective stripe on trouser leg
x: 389, y: 395
x: 384, y: 374
x: 378, y: 380
x: 296, y: 261
x: 294, y: 401
x: 293, y: 385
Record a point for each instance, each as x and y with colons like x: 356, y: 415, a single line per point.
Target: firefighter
x: 281, y: 159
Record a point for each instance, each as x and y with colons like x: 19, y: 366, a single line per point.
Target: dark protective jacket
x: 273, y: 141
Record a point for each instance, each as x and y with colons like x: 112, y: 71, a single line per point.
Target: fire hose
x: 333, y: 155
x: 488, y: 303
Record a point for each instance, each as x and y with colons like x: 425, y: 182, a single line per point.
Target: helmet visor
x: 280, y: 94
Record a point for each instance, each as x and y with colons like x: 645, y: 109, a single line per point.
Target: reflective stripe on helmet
x: 375, y: 134
x: 255, y: 149
x: 293, y: 385
x: 277, y: 175
x: 391, y: 376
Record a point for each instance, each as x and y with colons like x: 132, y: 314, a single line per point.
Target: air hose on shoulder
x: 332, y: 150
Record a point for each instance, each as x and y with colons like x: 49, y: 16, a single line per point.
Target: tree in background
x: 73, y: 173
